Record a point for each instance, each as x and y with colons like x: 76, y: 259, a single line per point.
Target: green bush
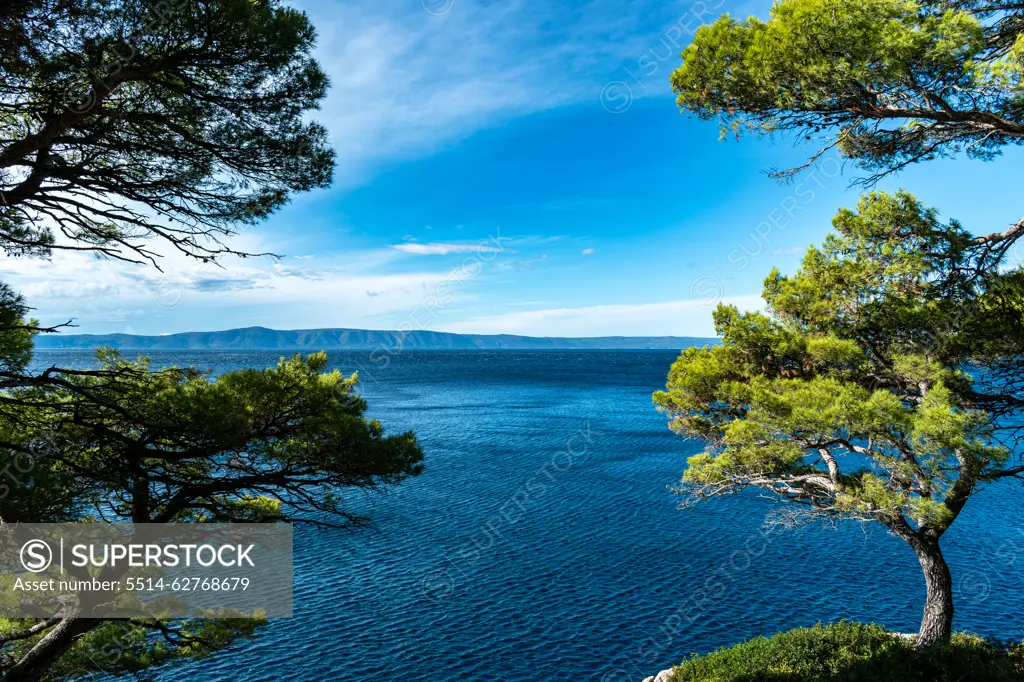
x: 854, y: 652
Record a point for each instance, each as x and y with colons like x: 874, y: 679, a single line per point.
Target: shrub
x: 855, y: 652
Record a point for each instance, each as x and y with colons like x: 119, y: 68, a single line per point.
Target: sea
x: 543, y: 539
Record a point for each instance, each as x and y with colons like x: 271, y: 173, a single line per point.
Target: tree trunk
x: 937, y: 623
x: 35, y: 664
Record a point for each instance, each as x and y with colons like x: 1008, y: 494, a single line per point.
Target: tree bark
x: 937, y: 623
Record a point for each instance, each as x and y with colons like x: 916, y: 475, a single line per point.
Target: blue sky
x: 510, y: 167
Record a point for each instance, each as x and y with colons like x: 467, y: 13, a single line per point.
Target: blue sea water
x: 542, y: 541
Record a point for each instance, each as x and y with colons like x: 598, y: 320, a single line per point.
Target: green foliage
x: 125, y: 442
x: 16, y: 333
x: 30, y: 487
x: 176, y: 120
x: 177, y: 444
x: 848, y: 397
x: 130, y: 647
x: 888, y: 81
x: 126, y: 121
x: 886, y: 380
x: 854, y: 652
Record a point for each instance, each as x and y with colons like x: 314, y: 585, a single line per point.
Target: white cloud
x: 587, y: 252
x: 319, y: 291
x: 444, y: 249
x: 405, y: 84
x: 670, y: 318
x: 68, y: 289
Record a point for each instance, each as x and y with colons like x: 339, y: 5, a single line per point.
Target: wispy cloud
x: 406, y: 82
x: 669, y: 318
x: 444, y: 249
x: 350, y: 289
x: 68, y: 289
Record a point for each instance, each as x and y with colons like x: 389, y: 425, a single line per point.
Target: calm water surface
x: 542, y: 542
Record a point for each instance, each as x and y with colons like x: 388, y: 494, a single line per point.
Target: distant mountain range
x: 261, y: 338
